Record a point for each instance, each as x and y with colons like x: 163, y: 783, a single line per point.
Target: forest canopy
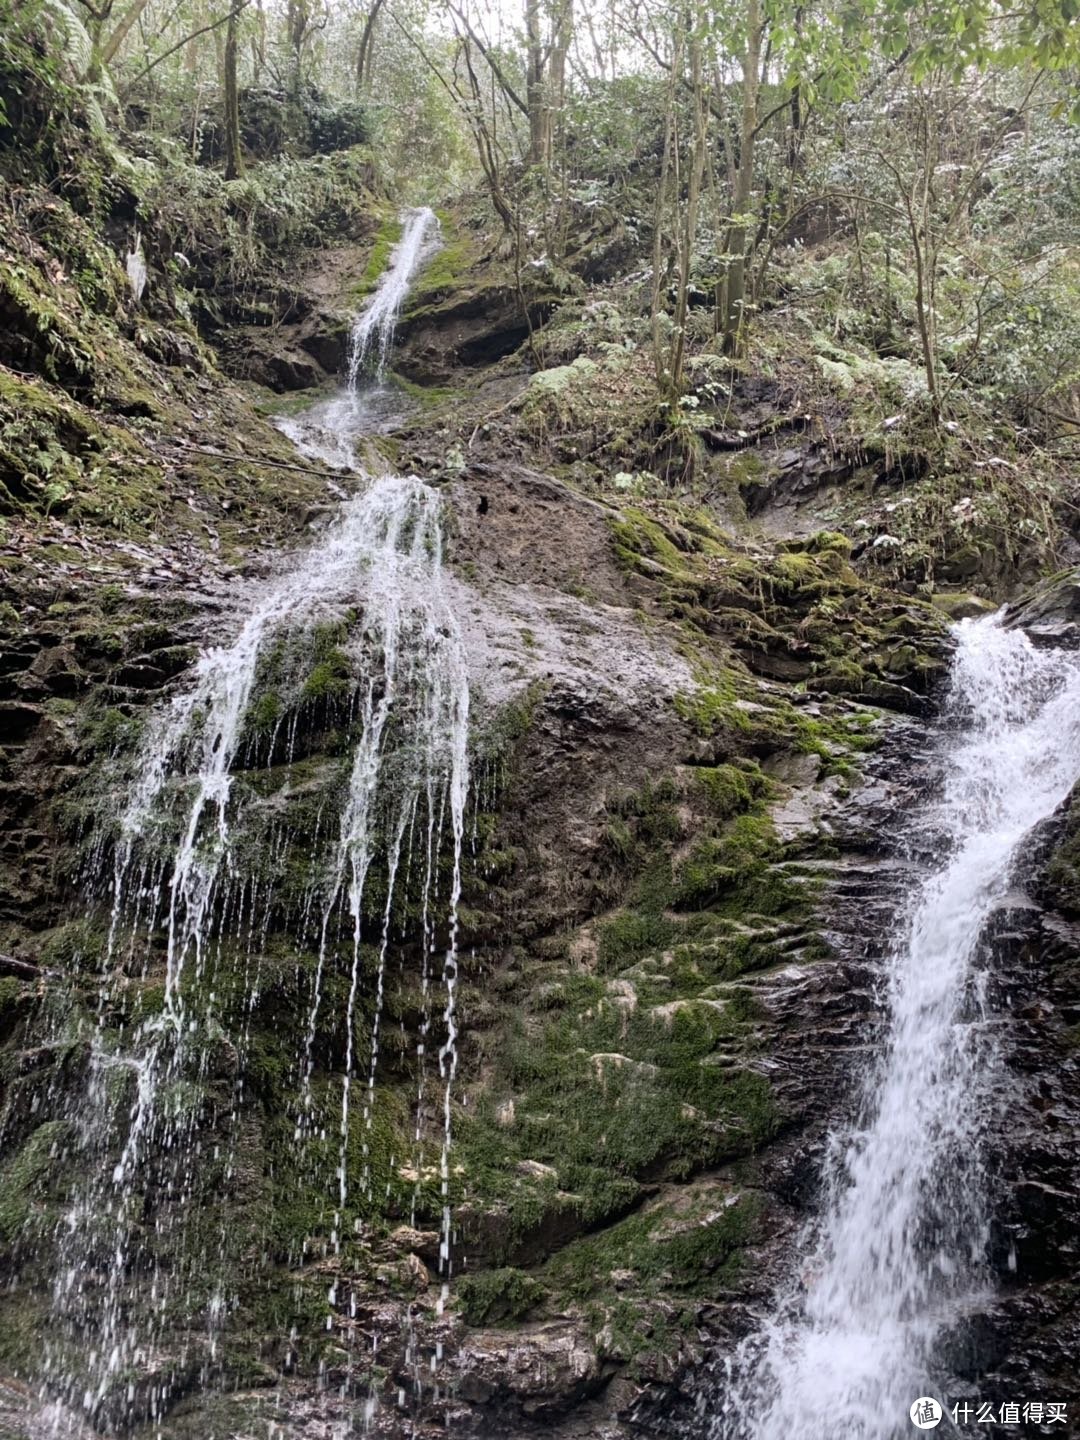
x: 938, y: 138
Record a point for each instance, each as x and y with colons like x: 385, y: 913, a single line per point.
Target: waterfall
x: 373, y: 329
x: 328, y: 430
x: 899, y: 1252
x: 356, y: 633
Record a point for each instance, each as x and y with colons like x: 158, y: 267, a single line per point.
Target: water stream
x: 373, y: 330
x: 355, y: 636
x: 368, y: 402
x: 899, y: 1253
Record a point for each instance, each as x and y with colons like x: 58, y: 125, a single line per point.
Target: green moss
x: 330, y: 675
x: 429, y: 396
x: 702, y: 1249
x: 1063, y: 868
x: 23, y: 1178
x: 832, y: 739
x: 497, y: 743
x: 104, y: 729
x: 24, y: 1318
x: 713, y: 706
x: 737, y: 872
x: 793, y: 572
x: 445, y: 271
x: 77, y: 944
x: 45, y: 440
x: 386, y: 237
x: 495, y: 1296
x: 641, y: 538
x: 608, y: 1094
x: 653, y: 808
x: 16, y: 1000
x: 619, y: 839
x: 264, y: 713
x: 834, y: 540
x: 11, y: 991
x: 744, y: 468
x: 629, y: 935
x: 731, y: 789
x: 657, y: 1253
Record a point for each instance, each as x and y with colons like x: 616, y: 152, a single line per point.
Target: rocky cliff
x: 708, y: 671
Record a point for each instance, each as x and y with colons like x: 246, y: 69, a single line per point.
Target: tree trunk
x: 367, y: 46
x: 670, y: 140
x: 693, y: 198
x: 732, y: 293
x: 105, y: 51
x: 534, y: 84
x: 555, y: 79
x: 259, y: 43
x: 296, y: 26
x: 96, y: 30
x: 234, y: 159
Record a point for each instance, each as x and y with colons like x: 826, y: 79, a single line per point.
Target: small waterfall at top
x: 328, y: 430
x: 213, y: 917
x: 373, y: 329
x: 899, y: 1253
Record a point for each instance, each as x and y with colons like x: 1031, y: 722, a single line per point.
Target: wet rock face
x: 684, y: 881
x: 659, y: 994
x: 306, y: 347
x: 1050, y: 613
x: 666, y: 979
x: 66, y: 690
x: 1029, y: 1339
x: 443, y: 335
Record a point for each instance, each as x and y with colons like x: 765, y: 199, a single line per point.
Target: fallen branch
x: 743, y: 439
x: 326, y: 474
x: 23, y: 968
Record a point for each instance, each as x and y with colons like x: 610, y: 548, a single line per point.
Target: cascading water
x: 356, y: 634
x: 328, y: 430
x: 373, y: 330
x: 899, y: 1253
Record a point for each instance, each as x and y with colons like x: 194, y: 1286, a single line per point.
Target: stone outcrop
x: 1050, y: 612
x: 665, y: 927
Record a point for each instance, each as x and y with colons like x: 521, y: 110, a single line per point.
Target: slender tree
x: 731, y: 293
x: 234, y: 159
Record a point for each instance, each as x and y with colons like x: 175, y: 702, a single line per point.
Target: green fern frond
x: 78, y: 49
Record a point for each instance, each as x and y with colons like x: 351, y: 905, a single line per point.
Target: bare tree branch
x: 204, y: 29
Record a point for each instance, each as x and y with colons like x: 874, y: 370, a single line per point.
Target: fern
x: 78, y: 49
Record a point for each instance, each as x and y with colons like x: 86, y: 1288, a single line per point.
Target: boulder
x: 1050, y: 612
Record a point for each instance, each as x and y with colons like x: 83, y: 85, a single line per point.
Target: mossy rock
x: 733, y: 788
x: 386, y: 237
x: 641, y: 1281
x: 1062, y: 875
x: 497, y: 1296
x: 17, y: 1002
x: 29, y: 1176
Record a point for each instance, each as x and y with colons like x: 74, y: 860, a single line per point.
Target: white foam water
x: 898, y: 1254
x: 383, y: 559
